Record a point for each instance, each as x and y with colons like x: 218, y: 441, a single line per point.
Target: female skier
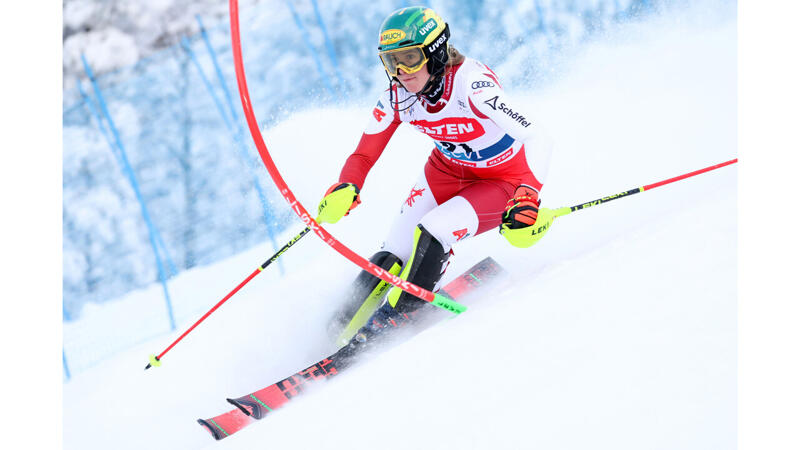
x: 477, y: 177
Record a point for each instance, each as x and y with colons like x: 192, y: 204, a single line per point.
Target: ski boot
x: 363, y: 298
x: 425, y: 269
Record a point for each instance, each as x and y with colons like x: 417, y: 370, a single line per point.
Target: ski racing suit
x: 477, y: 163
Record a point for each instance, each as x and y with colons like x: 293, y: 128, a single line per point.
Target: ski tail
x: 225, y: 424
x: 260, y: 403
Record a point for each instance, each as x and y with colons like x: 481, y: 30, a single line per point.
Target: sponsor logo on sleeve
x: 482, y: 84
x: 492, y: 102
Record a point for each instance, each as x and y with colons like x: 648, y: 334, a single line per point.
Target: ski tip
x: 214, y: 432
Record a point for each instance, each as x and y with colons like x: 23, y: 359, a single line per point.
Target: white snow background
x: 618, y: 330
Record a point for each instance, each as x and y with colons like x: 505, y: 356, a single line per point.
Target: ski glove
x: 337, y: 202
x: 522, y: 223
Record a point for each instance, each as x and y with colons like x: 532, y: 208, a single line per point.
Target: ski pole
x: 155, y: 361
x: 548, y: 216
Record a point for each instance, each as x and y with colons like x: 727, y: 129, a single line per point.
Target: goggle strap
x: 446, y: 33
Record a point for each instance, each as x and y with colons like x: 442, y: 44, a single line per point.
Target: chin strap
x: 433, y: 89
x: 431, y: 97
x: 396, y: 104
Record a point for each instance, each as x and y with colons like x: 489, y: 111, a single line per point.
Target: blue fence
x: 158, y: 175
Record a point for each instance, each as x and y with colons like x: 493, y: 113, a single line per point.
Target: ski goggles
x: 410, y: 59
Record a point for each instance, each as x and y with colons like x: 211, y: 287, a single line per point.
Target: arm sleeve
x: 488, y: 98
x: 380, y: 128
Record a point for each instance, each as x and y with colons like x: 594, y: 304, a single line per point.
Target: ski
x: 226, y: 424
x: 259, y: 404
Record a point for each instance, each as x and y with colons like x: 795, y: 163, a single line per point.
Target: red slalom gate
x: 434, y: 298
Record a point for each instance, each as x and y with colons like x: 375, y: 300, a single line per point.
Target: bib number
x: 458, y: 151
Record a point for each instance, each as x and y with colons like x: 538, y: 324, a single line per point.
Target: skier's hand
x: 337, y: 202
x: 522, y: 210
x: 522, y: 225
x: 527, y: 236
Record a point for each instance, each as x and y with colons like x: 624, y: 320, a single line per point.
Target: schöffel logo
x: 492, y: 102
x: 431, y: 24
x: 433, y: 47
x: 392, y: 36
x: 482, y: 84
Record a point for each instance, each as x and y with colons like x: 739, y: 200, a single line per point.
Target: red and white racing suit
x: 477, y: 163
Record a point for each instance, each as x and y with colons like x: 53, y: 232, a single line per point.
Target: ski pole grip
x: 445, y: 303
x: 562, y: 211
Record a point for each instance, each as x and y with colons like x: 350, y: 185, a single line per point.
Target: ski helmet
x: 411, y: 38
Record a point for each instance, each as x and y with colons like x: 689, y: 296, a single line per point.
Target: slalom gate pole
x: 155, y: 361
x: 434, y: 298
x: 548, y: 216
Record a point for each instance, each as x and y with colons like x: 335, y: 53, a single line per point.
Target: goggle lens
x: 409, y: 59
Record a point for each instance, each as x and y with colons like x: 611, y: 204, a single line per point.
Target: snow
x: 618, y: 331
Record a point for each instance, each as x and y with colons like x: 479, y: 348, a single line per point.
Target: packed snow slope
x: 616, y: 331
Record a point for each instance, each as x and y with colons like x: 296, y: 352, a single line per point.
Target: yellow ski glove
x: 337, y: 203
x: 523, y: 222
x: 527, y: 236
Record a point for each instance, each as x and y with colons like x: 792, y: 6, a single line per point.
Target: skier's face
x: 413, y: 82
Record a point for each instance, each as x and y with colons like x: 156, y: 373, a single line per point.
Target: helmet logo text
x: 431, y: 24
x: 433, y: 47
x: 392, y: 36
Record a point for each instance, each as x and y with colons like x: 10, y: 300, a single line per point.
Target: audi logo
x: 482, y: 84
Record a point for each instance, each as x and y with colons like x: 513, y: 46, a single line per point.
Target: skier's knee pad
x: 424, y: 268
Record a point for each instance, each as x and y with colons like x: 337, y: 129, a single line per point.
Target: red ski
x: 259, y: 404
x: 226, y: 424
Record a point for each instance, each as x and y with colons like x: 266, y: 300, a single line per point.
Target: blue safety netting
x: 196, y: 182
